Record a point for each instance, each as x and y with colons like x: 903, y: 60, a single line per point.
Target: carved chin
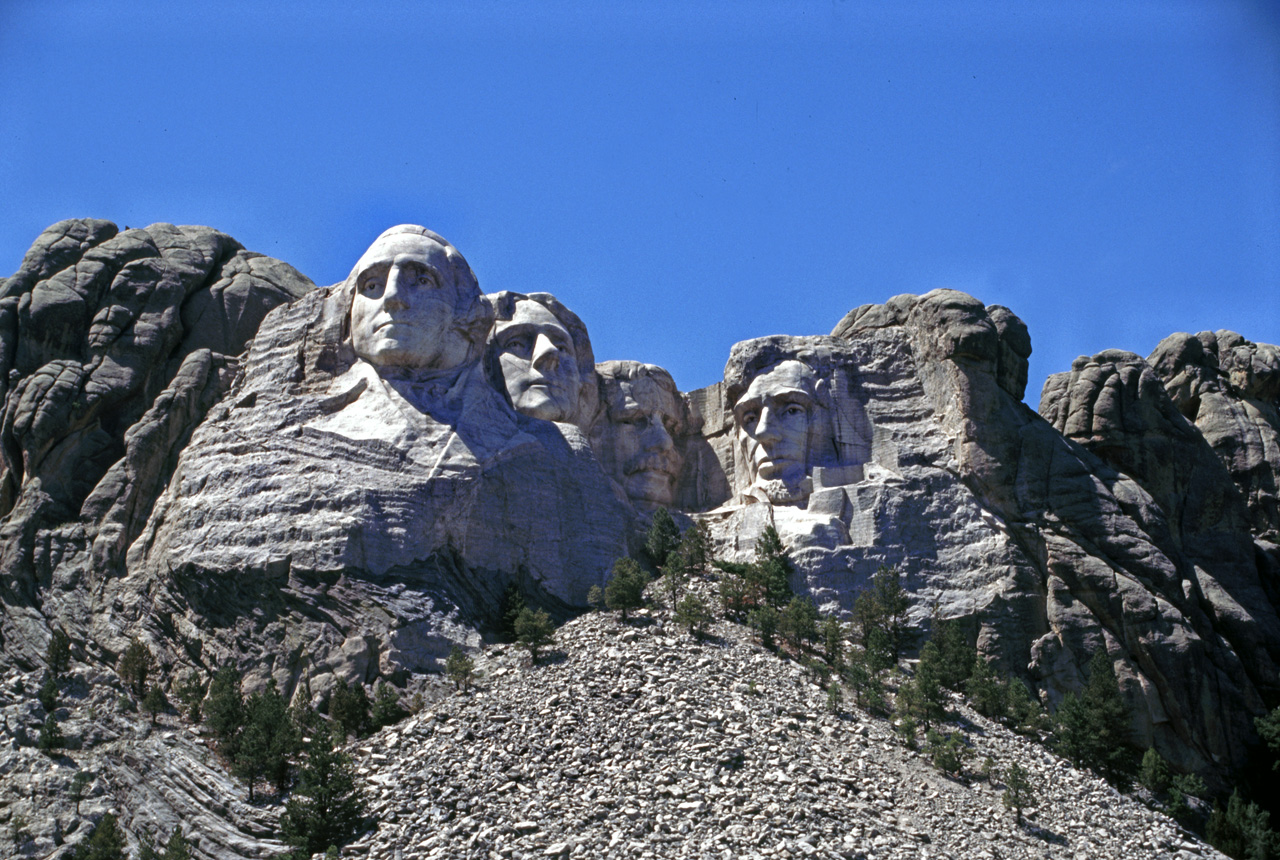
x: 539, y: 404
x: 780, y: 492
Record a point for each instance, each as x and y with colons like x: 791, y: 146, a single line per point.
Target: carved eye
x: 793, y: 410
x: 750, y: 418
x: 369, y: 286
x: 520, y: 345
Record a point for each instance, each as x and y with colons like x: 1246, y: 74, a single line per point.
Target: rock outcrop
x: 393, y: 455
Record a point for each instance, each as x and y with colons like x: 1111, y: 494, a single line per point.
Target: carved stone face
x: 538, y: 363
x: 404, y: 307
x: 643, y: 418
x: 773, y: 418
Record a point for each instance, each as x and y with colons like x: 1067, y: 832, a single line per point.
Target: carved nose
x: 393, y: 293
x: 545, y: 354
x: 766, y: 427
x: 656, y: 436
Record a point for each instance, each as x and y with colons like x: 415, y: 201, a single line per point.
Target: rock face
x: 355, y: 493
x: 113, y: 345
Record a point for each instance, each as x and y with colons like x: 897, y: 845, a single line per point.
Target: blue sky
x: 687, y: 175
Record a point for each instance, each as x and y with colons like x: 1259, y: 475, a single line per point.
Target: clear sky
x: 686, y: 175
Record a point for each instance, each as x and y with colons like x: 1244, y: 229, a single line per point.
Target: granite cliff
x: 204, y: 450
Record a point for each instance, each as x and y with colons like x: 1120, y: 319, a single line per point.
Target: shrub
x: 764, y: 620
x: 50, y: 737
x: 534, y: 631
x: 595, y: 598
x: 459, y: 667
x: 625, y: 589
x: 154, y: 702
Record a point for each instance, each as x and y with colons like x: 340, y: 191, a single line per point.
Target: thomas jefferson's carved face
x: 538, y: 363
x: 643, y: 417
x: 773, y: 419
x: 405, y: 303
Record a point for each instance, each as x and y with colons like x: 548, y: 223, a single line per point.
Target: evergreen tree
x: 693, y: 614
x: 832, y: 633
x: 947, y: 751
x: 625, y: 589
x: 773, y: 567
x: 695, y: 543
x: 224, y: 709
x: 1019, y: 792
x: 676, y: 573
x: 764, y: 620
x: 1242, y: 830
x: 154, y: 702
x: 349, y: 707
x: 1154, y: 772
x: 662, y: 538
x: 135, y: 667
x: 868, y: 689
x: 798, y: 623
x: 988, y: 693
x: 930, y: 703
x: 58, y: 655
x: 595, y: 598
x: 835, y: 698
x: 326, y: 807
x: 1269, y: 730
x: 459, y: 667
x: 48, y: 695
x: 535, y: 631
x: 177, y: 847
x: 386, y: 704
x: 513, y: 603
x: 105, y: 842
x: 79, y: 786
x: 1025, y: 714
x: 189, y: 691
x: 268, y: 741
x: 50, y: 737
x: 958, y: 655
x: 1092, y: 730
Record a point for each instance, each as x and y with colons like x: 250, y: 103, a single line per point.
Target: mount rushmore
x: 203, y: 449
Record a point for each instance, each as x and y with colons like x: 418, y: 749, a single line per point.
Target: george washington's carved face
x: 406, y: 303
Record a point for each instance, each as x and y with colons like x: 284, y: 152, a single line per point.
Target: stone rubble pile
x: 634, y: 740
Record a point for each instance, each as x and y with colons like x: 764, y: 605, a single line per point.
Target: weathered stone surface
x: 112, y: 347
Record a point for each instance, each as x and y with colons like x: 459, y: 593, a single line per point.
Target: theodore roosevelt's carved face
x: 538, y: 363
x: 773, y: 418
x: 405, y: 305
x: 643, y: 416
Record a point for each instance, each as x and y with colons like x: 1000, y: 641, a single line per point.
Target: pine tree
x: 1269, y: 730
x: 513, y: 603
x: 177, y: 847
x: 135, y: 667
x: 154, y: 702
x: 58, y: 655
x: 50, y: 737
x: 662, y: 538
x: 947, y: 751
x: 696, y: 545
x: 625, y: 589
x: 764, y: 620
x: 799, y: 622
x: 48, y: 695
x: 693, y: 614
x: 79, y: 785
x: 1154, y: 772
x: 459, y: 667
x: 988, y: 693
x: 958, y: 655
x: 1018, y: 793
x: 1242, y: 830
x: 268, y: 741
x: 326, y: 807
x: 349, y: 707
x: 386, y: 705
x: 832, y: 632
x: 224, y: 709
x: 189, y: 691
x: 1092, y: 730
x: 773, y: 567
x: 535, y: 631
x: 105, y: 842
